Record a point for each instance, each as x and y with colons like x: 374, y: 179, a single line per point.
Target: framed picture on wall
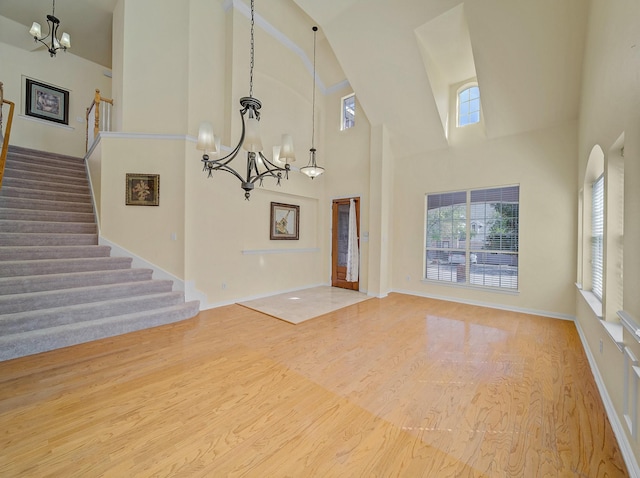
x: 142, y: 189
x: 285, y: 221
x: 46, y: 102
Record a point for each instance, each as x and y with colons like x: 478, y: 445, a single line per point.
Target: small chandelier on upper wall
x: 54, y: 44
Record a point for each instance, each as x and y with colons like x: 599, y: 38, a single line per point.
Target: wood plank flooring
x: 401, y: 386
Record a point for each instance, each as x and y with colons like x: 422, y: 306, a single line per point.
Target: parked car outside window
x: 459, y: 258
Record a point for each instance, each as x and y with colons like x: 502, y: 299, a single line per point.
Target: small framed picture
x: 285, y: 221
x: 46, y: 102
x: 142, y: 189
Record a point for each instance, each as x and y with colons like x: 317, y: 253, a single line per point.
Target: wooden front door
x: 340, y: 241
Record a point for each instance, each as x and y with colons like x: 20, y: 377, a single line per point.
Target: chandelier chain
x: 313, y: 103
x: 252, y: 55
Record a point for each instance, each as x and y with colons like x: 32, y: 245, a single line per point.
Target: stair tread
x: 69, y: 275
x: 41, y: 252
x: 45, y: 205
x: 85, y: 306
x: 42, y: 340
x: 28, y: 295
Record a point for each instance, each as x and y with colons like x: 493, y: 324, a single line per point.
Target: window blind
x: 597, y: 237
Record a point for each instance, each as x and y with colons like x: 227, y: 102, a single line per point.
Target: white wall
x: 543, y: 163
x: 610, y: 107
x: 66, y: 71
x: 221, y: 247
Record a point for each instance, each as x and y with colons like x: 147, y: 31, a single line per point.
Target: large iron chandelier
x: 312, y: 169
x: 258, y: 166
x: 54, y: 44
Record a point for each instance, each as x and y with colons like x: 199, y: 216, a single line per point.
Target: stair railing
x: 98, y: 118
x: 7, y: 131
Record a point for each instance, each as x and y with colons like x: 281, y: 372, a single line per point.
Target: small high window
x: 469, y: 106
x: 348, y: 109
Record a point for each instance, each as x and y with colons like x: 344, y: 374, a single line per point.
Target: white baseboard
x: 139, y: 262
x: 523, y: 310
x: 625, y: 447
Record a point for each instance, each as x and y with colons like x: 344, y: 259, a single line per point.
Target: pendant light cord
x: 252, y: 55
x: 313, y: 103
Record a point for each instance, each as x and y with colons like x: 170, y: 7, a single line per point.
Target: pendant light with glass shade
x: 312, y: 169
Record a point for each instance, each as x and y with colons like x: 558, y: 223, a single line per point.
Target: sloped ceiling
x: 527, y: 56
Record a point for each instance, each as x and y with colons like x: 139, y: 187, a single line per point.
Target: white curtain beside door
x: 353, y: 254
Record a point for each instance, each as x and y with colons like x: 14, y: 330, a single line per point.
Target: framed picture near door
x: 285, y: 222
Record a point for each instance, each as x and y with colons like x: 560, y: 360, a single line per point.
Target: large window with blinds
x: 597, y: 236
x: 472, y: 237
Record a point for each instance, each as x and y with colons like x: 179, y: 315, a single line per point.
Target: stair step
x: 11, y: 172
x: 52, y: 216
x: 41, y: 227
x: 8, y: 191
x: 40, y: 283
x: 10, y: 304
x: 19, y: 239
x: 43, y: 340
x: 41, y: 168
x: 54, y: 317
x: 40, y: 185
x: 60, y: 266
x: 64, y: 206
x: 34, y: 154
x: 32, y: 253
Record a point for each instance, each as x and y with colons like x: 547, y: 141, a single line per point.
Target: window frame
x: 449, y: 258
x: 345, y: 124
x: 459, y: 104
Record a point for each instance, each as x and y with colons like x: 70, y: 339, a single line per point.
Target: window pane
x: 348, y: 111
x: 469, y: 106
x: 597, y: 236
x: 483, y: 248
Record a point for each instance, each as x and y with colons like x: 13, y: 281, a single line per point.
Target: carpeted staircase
x: 58, y: 287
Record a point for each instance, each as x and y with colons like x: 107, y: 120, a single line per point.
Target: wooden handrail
x: 97, y: 99
x: 7, y: 132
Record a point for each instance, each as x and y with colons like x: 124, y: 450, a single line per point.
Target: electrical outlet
x: 224, y: 285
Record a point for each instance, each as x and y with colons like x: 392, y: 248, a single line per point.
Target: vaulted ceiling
x: 398, y: 54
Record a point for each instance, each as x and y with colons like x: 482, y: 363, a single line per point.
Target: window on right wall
x: 597, y: 236
x: 468, y: 105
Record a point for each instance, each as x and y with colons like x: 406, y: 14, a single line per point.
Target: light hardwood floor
x: 402, y: 386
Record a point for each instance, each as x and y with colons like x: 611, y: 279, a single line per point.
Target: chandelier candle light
x: 54, y: 44
x: 312, y: 169
x: 258, y: 166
